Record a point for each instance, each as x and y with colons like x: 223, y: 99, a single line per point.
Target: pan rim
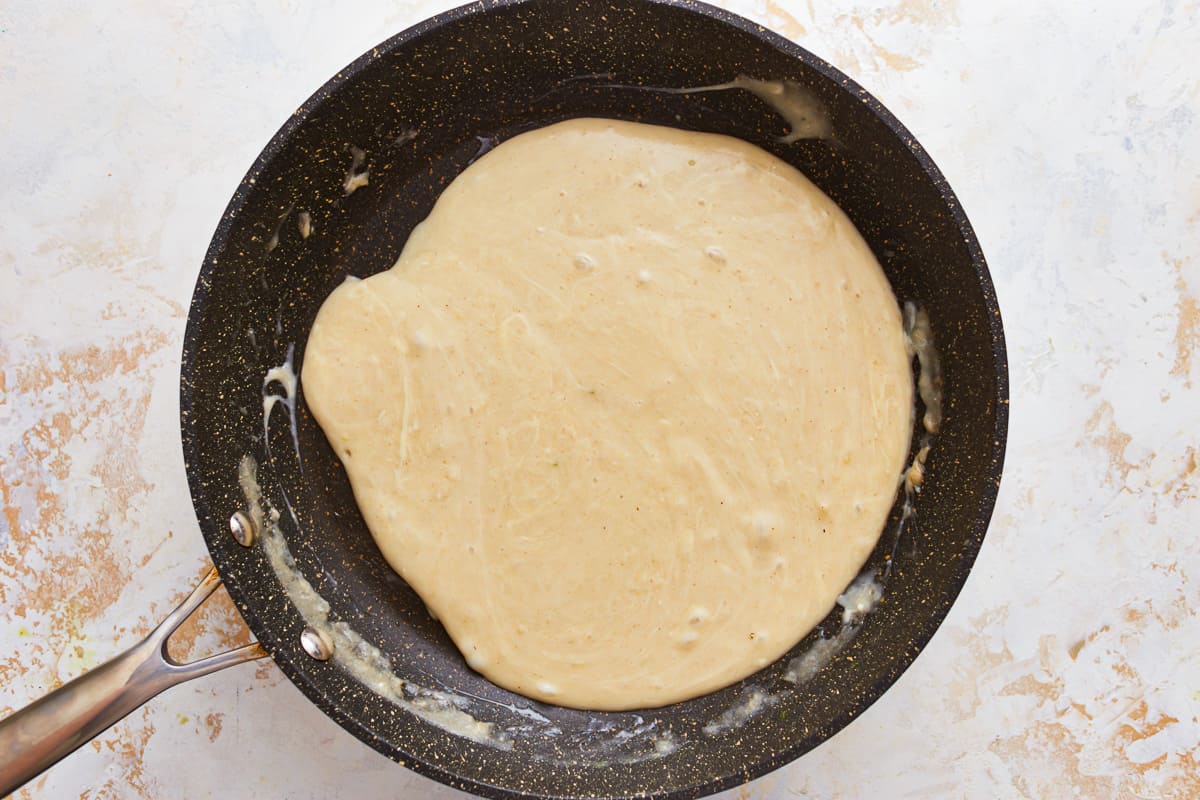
x: 273, y: 640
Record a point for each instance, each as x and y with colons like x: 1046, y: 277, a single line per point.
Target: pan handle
x: 39, y: 735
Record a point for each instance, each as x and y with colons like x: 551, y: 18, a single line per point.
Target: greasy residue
x: 357, y: 176
x: 805, y: 114
x: 405, y: 136
x: 486, y: 144
x: 273, y: 242
x: 285, y: 376
x: 749, y: 705
x: 918, y: 333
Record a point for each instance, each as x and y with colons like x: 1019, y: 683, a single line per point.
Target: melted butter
x: 860, y: 599
x: 566, y: 456
x: 405, y: 136
x: 273, y: 242
x: 749, y: 706
x: 805, y: 114
x: 857, y: 602
x: 918, y: 333
x: 356, y: 176
x: 486, y: 145
x: 285, y: 376
x: 805, y: 666
x: 248, y: 481
x: 919, y: 340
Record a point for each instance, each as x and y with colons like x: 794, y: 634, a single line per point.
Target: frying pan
x: 409, y: 116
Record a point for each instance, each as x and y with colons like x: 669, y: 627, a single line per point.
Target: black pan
x: 420, y: 107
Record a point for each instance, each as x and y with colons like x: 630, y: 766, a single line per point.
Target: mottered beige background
x: 1070, y: 665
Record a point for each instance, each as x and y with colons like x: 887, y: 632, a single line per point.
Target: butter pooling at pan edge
x: 628, y: 413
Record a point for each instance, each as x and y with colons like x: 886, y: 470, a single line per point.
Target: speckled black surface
x: 491, y: 70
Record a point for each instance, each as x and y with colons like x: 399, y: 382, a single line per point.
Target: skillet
x: 410, y: 115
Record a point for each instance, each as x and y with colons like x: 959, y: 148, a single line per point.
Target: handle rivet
x: 316, y: 644
x: 243, y: 529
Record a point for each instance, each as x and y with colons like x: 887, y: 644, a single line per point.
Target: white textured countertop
x: 1070, y: 664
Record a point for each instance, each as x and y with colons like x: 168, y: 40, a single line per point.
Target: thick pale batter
x: 628, y: 413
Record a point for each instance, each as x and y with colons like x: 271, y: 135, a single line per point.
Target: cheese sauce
x: 629, y: 413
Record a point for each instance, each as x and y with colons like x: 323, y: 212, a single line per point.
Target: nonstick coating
x: 481, y: 74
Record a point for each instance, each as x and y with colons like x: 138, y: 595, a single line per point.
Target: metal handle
x: 39, y: 735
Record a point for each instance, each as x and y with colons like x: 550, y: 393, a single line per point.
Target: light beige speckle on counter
x: 1069, y: 665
